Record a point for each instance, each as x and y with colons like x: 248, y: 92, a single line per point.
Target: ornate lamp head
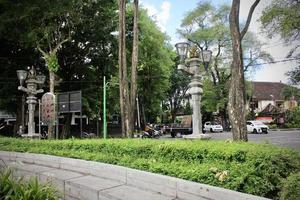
x: 182, y: 50
x: 206, y: 57
x: 22, y: 75
x: 194, y: 51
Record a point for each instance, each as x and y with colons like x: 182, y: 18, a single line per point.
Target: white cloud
x: 161, y: 15
x: 152, y: 11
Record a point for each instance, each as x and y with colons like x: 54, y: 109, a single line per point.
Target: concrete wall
x: 88, y: 180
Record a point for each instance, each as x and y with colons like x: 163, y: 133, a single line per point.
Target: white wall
x: 264, y: 103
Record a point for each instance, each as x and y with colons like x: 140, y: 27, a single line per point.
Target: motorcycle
x: 151, y: 134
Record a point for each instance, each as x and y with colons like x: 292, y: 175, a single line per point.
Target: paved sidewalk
x: 87, y: 180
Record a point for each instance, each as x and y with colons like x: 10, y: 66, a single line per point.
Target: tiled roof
x: 267, y: 90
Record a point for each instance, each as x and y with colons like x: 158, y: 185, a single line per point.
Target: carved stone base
x: 197, y: 136
x: 34, y: 136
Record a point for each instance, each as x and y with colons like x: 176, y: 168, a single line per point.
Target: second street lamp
x: 33, y: 82
x: 191, y: 65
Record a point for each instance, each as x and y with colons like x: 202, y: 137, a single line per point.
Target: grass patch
x: 16, y: 188
x: 259, y: 169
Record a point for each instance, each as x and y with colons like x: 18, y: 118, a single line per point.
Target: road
x: 290, y: 139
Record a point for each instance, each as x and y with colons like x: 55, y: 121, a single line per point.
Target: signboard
x: 265, y: 119
x: 48, y: 108
x: 69, y: 102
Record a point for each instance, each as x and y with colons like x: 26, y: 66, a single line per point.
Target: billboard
x: 69, y: 102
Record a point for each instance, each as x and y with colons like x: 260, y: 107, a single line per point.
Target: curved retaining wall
x: 88, y: 180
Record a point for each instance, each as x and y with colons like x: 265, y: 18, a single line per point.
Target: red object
x: 264, y: 118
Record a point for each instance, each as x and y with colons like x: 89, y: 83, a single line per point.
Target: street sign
x: 48, y: 108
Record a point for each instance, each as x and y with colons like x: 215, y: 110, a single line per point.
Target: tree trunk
x: 134, y: 64
x: 51, y: 88
x: 237, y: 97
x: 124, y: 98
x: 236, y: 103
x: 67, y: 126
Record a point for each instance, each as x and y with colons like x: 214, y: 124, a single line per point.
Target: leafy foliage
x: 52, y: 62
x: 176, y: 94
x: 282, y: 17
x: 155, y: 66
x: 294, y: 75
x: 291, y: 188
x: 290, y: 92
x: 83, y: 61
x: 258, y: 169
x: 16, y: 189
x: 293, y: 118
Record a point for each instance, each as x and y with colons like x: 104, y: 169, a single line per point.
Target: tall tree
x: 51, y: 61
x: 237, y: 97
x: 134, y: 64
x: 82, y: 60
x: 123, y: 83
x: 154, y: 69
x: 42, y: 24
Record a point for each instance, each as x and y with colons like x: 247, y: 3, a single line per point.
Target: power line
x: 272, y: 45
x: 274, y: 62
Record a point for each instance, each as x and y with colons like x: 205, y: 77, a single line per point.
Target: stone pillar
x: 31, y: 100
x: 196, y: 91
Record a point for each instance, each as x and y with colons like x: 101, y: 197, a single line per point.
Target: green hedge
x: 258, y: 169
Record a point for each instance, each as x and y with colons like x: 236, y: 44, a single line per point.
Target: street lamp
x: 190, y: 61
x: 22, y: 75
x: 32, y: 81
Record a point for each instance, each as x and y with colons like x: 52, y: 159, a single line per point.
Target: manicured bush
x: 13, y: 188
x: 258, y: 169
x: 291, y: 188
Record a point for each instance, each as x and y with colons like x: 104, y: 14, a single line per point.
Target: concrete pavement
x: 87, y: 180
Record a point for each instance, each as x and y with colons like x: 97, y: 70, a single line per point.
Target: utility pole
x: 104, y: 109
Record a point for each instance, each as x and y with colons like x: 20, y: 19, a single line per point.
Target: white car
x: 212, y: 127
x: 257, y: 127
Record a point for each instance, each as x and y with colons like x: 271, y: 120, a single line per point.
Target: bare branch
x: 43, y: 52
x: 249, y: 18
x: 216, y: 60
x: 58, y: 45
x: 249, y: 64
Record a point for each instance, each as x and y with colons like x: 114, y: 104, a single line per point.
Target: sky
x: 169, y: 13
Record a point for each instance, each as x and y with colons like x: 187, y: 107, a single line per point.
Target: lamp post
x: 190, y: 62
x: 32, y: 81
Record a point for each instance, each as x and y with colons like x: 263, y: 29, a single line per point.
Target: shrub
x: 293, y: 118
x: 12, y: 188
x: 273, y: 126
x: 291, y: 188
x: 258, y: 169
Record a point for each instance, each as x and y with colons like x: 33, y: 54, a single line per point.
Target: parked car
x: 257, y: 127
x: 212, y: 127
